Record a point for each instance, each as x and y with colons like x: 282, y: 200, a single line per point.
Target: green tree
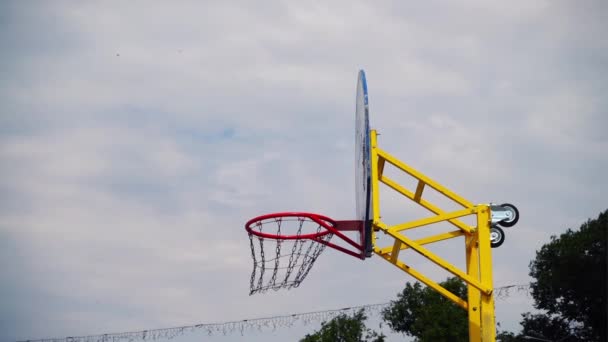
x: 570, y: 284
x: 428, y: 316
x: 506, y: 336
x: 547, y: 327
x: 345, y: 328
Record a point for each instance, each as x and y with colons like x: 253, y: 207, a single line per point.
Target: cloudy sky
x: 137, y: 137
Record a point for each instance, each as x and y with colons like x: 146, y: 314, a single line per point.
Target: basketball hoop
x: 284, y: 246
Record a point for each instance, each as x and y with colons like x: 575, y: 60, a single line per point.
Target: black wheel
x: 514, y: 215
x: 497, y: 236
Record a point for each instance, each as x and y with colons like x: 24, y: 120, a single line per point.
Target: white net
x: 284, y: 261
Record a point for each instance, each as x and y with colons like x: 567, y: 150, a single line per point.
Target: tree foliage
x: 344, y: 328
x: 549, y: 327
x: 506, y: 336
x: 570, y: 282
x: 428, y: 316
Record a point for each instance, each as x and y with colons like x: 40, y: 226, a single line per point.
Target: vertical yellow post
x: 488, y: 327
x: 374, y: 182
x: 474, y: 295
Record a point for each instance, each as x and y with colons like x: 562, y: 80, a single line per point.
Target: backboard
x: 363, y: 164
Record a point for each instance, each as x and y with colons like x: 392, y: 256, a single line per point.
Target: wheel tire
x: 513, y: 221
x: 497, y: 236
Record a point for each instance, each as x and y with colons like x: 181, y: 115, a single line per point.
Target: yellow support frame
x: 478, y: 273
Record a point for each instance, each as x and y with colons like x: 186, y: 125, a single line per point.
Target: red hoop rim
x: 331, y: 227
x: 324, y: 221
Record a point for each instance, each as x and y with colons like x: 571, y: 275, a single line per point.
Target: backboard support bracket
x: 477, y: 248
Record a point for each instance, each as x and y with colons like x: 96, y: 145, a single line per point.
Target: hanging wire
x: 255, y: 324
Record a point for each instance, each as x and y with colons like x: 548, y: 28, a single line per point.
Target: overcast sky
x: 136, y: 138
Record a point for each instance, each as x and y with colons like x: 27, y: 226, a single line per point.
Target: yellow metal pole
x: 419, y: 189
x: 441, y: 262
x: 474, y: 295
x: 427, y: 281
x: 426, y: 204
x: 434, y: 219
x: 395, y: 251
x: 423, y: 178
x: 488, y: 324
x: 426, y: 240
x: 375, y: 183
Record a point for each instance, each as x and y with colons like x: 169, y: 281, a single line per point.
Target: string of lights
x: 255, y: 324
